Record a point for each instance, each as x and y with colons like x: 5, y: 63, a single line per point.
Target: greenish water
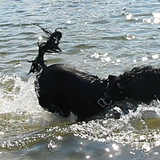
x: 101, y: 37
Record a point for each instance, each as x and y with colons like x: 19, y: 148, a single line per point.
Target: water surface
x: 101, y: 37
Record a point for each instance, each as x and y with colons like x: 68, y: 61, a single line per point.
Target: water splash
x: 24, y: 122
x: 19, y: 108
x: 139, y: 129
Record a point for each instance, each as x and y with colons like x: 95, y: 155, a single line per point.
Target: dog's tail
x: 52, y: 45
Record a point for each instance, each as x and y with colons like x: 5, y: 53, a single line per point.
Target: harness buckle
x: 103, y: 103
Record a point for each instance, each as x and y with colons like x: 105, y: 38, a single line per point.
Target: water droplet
x: 155, y: 56
x: 88, y: 157
x: 144, y: 58
x: 129, y: 16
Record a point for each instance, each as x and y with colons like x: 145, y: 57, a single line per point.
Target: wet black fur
x: 64, y: 88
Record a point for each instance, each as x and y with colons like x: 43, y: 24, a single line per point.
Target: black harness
x: 106, y: 100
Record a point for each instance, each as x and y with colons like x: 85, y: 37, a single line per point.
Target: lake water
x: 100, y: 36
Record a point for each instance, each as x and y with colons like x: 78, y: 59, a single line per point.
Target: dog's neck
x: 112, y: 93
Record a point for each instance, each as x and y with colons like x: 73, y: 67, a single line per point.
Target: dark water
x: 102, y: 37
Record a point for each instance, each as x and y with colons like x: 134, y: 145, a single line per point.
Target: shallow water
x: 102, y: 37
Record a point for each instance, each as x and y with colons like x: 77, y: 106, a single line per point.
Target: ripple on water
x: 104, y: 38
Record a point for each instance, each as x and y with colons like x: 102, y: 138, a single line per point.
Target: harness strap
x: 103, y: 101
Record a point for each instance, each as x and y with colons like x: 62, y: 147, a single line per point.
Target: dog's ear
x: 111, y: 78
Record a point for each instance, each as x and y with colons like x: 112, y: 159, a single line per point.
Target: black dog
x: 63, y: 88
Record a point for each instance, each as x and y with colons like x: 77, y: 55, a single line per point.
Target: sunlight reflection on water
x: 102, y: 37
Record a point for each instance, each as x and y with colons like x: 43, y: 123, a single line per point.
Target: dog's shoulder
x: 67, y: 73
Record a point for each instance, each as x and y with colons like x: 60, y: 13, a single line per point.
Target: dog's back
x: 66, y: 89
x: 140, y: 84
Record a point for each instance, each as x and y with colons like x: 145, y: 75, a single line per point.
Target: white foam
x: 17, y: 95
